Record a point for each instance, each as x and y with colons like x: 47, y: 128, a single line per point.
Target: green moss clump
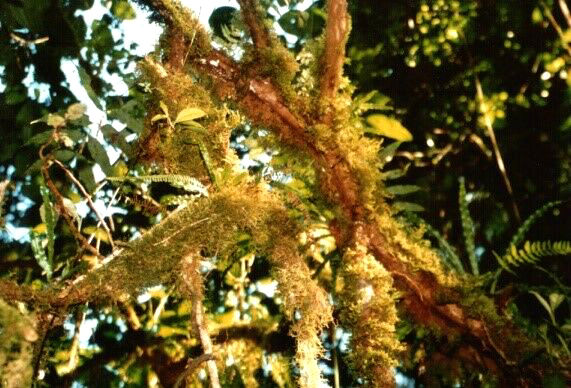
x: 369, y: 311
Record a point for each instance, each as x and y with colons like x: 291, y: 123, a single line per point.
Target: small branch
x: 62, y: 210
x: 336, y: 33
x: 497, y: 153
x: 258, y: 30
x: 46, y: 320
x: 191, y: 280
x: 556, y: 26
x: 89, y: 200
x: 565, y: 11
x: 191, y: 366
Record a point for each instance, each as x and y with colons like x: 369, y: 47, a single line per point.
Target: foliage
x: 228, y: 210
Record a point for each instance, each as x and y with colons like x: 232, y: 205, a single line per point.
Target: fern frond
x: 449, y: 256
x: 184, y: 182
x: 468, y: 227
x: 528, y: 223
x: 532, y: 252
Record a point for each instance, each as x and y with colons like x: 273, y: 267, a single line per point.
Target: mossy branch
x: 336, y: 34
x: 251, y: 13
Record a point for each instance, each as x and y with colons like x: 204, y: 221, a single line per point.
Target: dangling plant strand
x: 468, y: 227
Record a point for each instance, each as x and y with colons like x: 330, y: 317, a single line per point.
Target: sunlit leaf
x: 386, y: 126
x: 56, y: 121
x: 98, y: 233
x: 123, y: 10
x: 75, y: 111
x: 189, y: 114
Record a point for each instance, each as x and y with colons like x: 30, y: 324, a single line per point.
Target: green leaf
x: 555, y: 300
x: 402, y: 189
x: 40, y: 254
x: 87, y: 178
x: 395, y: 174
x: 189, y: 115
x: 130, y: 115
x: 388, y: 127
x: 118, y: 139
x: 408, y: 206
x: 86, y: 82
x: 545, y: 305
x: 389, y: 151
x: 123, y: 10
x: 64, y: 155
x: 15, y: 96
x: 99, y: 155
x: 40, y: 138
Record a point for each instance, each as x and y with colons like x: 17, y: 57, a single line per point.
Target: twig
x: 497, y: 153
x: 198, y: 315
x: 565, y: 11
x: 62, y: 210
x: 337, y: 30
x: 191, y: 282
x: 191, y: 366
x: 89, y: 200
x: 556, y: 26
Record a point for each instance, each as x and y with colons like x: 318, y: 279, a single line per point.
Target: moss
x: 178, y: 146
x: 17, y: 335
x: 368, y: 310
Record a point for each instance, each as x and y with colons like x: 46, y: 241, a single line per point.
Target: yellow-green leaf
x: 123, y: 10
x: 99, y: 233
x: 386, y: 126
x: 55, y: 121
x: 164, y: 108
x: 189, y: 114
x: 75, y: 111
x: 158, y: 117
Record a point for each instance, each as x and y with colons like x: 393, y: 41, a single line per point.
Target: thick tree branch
x: 255, y: 22
x: 336, y: 33
x: 259, y: 100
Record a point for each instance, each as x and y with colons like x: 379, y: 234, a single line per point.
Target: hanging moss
x: 369, y: 312
x: 17, y: 334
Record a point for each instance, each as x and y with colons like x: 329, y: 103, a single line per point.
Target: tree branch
x: 192, y: 284
x: 336, y: 33
x: 255, y: 22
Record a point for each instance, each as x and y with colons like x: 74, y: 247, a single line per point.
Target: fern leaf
x: 448, y: 255
x: 532, y: 252
x: 184, y: 182
x: 468, y: 227
x: 532, y: 219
